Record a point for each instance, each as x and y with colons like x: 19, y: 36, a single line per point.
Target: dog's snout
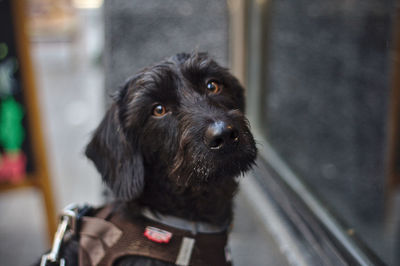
x: 220, y: 135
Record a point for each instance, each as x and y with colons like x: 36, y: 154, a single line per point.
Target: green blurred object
x: 3, y: 50
x: 11, y: 130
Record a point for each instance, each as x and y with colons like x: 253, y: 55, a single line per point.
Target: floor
x: 71, y: 93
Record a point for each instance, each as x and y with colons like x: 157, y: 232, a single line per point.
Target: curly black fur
x: 163, y: 162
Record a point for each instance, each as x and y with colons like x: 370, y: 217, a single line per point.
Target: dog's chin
x: 229, y: 167
x: 214, y: 168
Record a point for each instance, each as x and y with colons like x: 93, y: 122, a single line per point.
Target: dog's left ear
x: 116, y: 158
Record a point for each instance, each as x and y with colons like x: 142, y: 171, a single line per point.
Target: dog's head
x: 179, y: 122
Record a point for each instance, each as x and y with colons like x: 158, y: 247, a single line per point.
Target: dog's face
x: 179, y: 122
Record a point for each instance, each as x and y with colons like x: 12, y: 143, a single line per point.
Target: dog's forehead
x: 170, y: 77
x: 157, y: 83
x: 197, y: 69
x: 182, y: 79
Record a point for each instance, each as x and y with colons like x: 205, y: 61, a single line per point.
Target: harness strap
x: 104, y: 242
x: 95, y: 235
x: 195, y: 227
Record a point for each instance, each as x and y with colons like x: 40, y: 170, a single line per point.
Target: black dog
x: 173, y: 142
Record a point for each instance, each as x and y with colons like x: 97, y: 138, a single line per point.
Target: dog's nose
x: 220, y: 135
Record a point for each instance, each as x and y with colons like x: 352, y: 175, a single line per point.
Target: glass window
x: 321, y: 75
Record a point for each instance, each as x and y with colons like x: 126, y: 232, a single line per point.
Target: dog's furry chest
x: 211, y: 204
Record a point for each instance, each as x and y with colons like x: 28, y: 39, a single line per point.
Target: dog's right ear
x: 117, y: 159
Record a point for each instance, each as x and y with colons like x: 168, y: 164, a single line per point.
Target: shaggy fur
x: 179, y: 163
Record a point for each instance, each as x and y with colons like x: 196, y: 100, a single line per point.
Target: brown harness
x: 107, y: 236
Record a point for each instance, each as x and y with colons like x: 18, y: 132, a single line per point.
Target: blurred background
x: 323, y: 94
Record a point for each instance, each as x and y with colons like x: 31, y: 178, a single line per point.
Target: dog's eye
x: 159, y: 110
x: 213, y: 87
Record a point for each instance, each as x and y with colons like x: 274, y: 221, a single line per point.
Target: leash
x: 68, y: 225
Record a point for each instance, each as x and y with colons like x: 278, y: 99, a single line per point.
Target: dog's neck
x: 209, y: 202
